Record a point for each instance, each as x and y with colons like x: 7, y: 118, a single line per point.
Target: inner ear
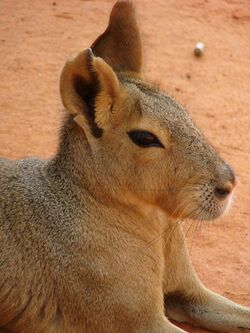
x: 87, y: 92
x: 121, y: 45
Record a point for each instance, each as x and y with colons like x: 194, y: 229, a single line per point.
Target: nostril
x: 223, y: 191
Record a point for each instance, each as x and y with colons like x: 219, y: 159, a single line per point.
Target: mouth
x: 201, y: 206
x: 208, y: 210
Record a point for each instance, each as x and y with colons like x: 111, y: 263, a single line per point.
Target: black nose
x: 223, y: 191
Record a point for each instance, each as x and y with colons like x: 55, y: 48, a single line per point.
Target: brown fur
x: 91, y: 240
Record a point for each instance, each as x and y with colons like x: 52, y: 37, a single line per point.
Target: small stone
x: 199, y: 49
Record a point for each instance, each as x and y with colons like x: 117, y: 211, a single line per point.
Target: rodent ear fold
x: 88, y: 88
x: 121, y: 45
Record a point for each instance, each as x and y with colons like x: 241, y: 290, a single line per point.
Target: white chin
x: 228, y: 204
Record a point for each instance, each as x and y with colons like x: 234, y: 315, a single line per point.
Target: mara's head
x: 143, y: 145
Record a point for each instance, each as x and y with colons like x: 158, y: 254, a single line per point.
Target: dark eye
x: 144, y: 139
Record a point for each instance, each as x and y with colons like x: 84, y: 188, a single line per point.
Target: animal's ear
x: 121, y: 45
x: 89, y: 88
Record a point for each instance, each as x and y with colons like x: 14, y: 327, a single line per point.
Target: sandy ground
x: 36, y: 37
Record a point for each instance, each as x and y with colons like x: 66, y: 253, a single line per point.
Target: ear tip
x: 122, y: 6
x: 85, y: 56
x: 124, y: 3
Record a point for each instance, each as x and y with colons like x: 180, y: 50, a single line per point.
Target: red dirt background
x: 36, y: 37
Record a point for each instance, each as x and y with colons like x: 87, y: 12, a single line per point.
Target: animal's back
x: 18, y: 180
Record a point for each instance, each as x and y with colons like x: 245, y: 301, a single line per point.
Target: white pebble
x: 199, y: 49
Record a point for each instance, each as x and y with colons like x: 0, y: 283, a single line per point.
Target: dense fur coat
x: 91, y: 240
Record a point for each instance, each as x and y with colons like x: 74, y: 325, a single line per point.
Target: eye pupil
x: 144, y: 139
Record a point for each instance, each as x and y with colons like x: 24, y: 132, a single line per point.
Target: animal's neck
x: 75, y: 164
x: 73, y: 158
